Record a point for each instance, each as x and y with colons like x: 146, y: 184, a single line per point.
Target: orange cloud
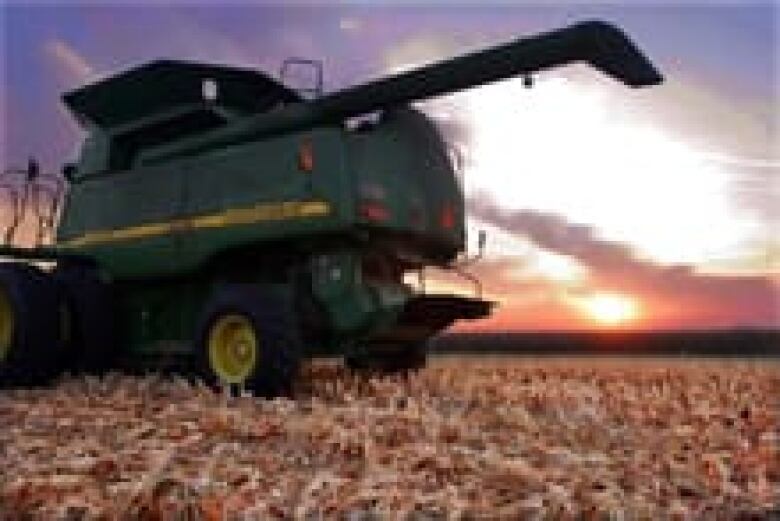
x: 671, y: 297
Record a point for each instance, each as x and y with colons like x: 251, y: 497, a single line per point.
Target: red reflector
x: 447, y: 218
x: 373, y: 211
x: 306, y: 156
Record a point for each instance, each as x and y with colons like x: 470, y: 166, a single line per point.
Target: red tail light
x: 373, y: 211
x: 306, y: 156
x: 447, y: 217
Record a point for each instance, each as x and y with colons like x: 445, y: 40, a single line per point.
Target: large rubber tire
x: 275, y: 329
x: 91, y: 341
x: 32, y: 349
x: 398, y: 359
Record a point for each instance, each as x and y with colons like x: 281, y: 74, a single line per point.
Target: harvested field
x: 467, y: 438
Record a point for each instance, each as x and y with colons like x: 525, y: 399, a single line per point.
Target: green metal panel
x: 161, y: 316
x: 119, y: 201
x: 165, y: 219
x: 267, y: 172
x: 402, y: 164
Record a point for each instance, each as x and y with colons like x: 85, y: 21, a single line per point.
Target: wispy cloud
x: 70, y: 62
x: 350, y: 24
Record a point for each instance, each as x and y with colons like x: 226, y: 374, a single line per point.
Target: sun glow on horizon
x: 611, y: 309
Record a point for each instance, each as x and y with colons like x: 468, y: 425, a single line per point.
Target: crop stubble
x: 466, y: 438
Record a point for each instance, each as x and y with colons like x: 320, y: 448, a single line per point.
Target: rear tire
x: 248, y: 336
x: 32, y: 326
x: 91, y: 342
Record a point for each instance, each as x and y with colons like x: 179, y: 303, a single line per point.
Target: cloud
x: 682, y: 142
x: 350, y: 24
x: 676, y: 295
x: 192, y: 39
x: 76, y: 68
x: 738, y: 135
x: 655, y: 149
x: 425, y: 48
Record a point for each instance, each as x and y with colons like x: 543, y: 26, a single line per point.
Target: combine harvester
x: 223, y: 224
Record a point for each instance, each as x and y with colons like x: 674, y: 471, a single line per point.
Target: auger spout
x: 599, y: 44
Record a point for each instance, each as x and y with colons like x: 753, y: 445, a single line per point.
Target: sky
x: 605, y: 207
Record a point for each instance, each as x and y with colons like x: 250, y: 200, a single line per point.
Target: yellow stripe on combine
x: 233, y: 216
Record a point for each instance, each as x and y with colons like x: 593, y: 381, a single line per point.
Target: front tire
x: 248, y: 336
x: 32, y: 329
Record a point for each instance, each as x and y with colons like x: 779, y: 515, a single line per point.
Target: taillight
x: 306, y: 156
x: 447, y: 217
x: 373, y: 211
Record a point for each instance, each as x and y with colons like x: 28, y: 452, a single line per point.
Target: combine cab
x: 219, y: 222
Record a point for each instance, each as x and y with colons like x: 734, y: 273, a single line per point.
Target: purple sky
x: 726, y: 47
x: 719, y: 102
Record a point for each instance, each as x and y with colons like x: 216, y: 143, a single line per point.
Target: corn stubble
x: 465, y: 438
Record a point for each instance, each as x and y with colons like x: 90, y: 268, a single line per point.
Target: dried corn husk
x: 462, y: 439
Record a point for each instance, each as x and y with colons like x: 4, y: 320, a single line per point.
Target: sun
x: 611, y: 309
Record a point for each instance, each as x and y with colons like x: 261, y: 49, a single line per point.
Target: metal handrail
x: 31, y: 193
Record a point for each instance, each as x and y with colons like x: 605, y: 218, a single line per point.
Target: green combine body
x: 218, y: 221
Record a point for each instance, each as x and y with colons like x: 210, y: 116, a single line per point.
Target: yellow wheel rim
x: 6, y: 323
x: 233, y: 348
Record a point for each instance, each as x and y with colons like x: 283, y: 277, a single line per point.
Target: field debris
x: 466, y: 438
